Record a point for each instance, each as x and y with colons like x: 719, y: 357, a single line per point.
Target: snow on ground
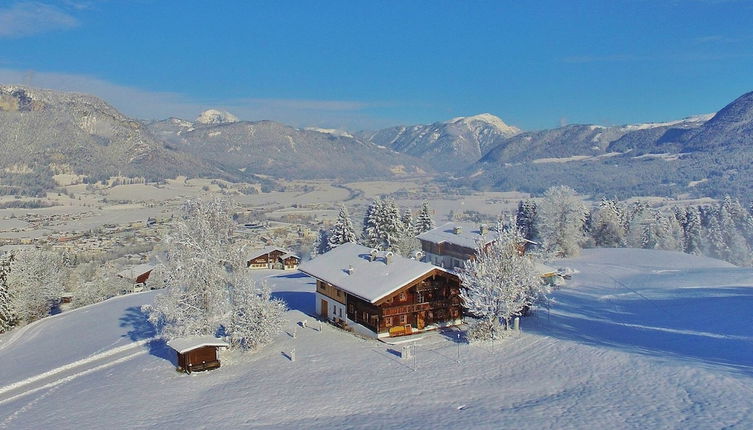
x: 638, y: 339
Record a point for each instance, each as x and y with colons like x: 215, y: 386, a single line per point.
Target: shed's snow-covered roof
x: 468, y: 236
x: 136, y: 271
x: 185, y: 344
x: 256, y: 253
x: 369, y: 280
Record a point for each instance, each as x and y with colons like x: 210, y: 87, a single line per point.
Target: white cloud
x: 29, y: 18
x: 139, y: 103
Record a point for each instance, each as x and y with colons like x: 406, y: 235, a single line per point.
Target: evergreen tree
x: 7, y: 313
x: 392, y: 225
x: 409, y: 226
x: 608, y: 224
x: 715, y: 243
x: 371, y: 235
x: 342, y: 231
x: 321, y: 244
x: 692, y: 243
x: 525, y: 219
x: 424, y: 222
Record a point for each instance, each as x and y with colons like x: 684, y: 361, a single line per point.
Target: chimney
x: 373, y: 254
x: 482, y: 229
x: 388, y: 257
x: 350, y: 269
x: 457, y: 229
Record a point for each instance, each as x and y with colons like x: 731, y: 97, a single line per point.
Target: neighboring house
x: 138, y: 274
x: 451, y: 244
x: 197, y: 353
x: 380, y: 294
x: 273, y: 258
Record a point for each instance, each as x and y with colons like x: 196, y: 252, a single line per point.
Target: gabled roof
x: 369, y: 280
x: 286, y: 256
x: 256, y: 253
x: 469, y: 235
x: 134, y: 272
x: 185, y: 344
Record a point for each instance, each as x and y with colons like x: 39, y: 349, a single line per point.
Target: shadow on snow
x: 139, y: 328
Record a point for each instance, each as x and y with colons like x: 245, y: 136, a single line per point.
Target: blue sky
x: 368, y: 64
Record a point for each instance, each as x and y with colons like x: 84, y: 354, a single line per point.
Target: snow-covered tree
x: 372, y: 235
x: 562, y: 215
x: 692, y: 242
x: 96, y: 283
x: 525, y: 219
x: 7, y: 313
x: 203, y: 272
x: 409, y: 226
x: 321, y: 244
x: 714, y: 240
x: 392, y: 225
x: 424, y: 222
x: 500, y: 282
x: 342, y: 231
x: 608, y: 224
x: 35, y: 283
x: 255, y: 317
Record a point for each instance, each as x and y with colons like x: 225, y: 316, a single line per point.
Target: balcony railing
x: 418, y: 307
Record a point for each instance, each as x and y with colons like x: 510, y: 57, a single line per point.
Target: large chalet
x: 381, y: 294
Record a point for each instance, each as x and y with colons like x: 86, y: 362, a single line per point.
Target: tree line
x: 385, y: 226
x: 562, y: 224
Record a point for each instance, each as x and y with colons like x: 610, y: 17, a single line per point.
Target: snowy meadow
x: 637, y: 339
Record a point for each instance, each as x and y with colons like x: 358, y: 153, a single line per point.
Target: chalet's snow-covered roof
x: 136, y: 271
x: 286, y: 256
x: 185, y: 344
x: 468, y: 236
x: 369, y: 280
x: 256, y: 253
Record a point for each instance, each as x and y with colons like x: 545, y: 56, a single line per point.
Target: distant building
x: 380, y: 294
x: 451, y: 244
x: 273, y: 258
x: 196, y: 353
x: 138, y: 274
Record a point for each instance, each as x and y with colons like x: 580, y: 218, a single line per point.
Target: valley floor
x: 638, y: 339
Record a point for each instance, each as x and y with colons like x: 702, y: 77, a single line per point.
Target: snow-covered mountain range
x: 83, y: 134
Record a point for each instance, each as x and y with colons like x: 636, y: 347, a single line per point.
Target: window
x: 338, y: 293
x: 402, y: 297
x: 365, y: 317
x: 403, y: 319
x: 388, y: 322
x: 389, y: 300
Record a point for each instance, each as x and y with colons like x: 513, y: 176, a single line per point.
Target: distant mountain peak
x: 489, y: 119
x: 214, y: 116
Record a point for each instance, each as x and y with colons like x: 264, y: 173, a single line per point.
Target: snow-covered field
x: 638, y: 339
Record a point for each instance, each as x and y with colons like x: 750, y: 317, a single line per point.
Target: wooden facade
x: 427, y: 303
x: 203, y: 358
x: 274, y: 259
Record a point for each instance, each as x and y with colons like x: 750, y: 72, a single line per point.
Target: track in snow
x: 71, y: 371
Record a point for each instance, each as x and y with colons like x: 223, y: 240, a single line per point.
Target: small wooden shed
x: 196, y: 353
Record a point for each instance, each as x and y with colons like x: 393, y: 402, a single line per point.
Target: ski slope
x: 638, y: 339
